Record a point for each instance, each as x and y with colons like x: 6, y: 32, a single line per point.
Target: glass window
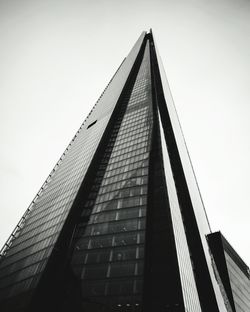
x: 101, y: 242
x: 139, y: 268
x: 95, y: 271
x: 123, y: 226
x: 125, y: 239
x: 111, y: 205
x: 138, y: 286
x: 142, y: 237
x: 99, y: 229
x: 93, y: 288
x: 103, y: 217
x: 120, y: 287
x: 98, y: 257
x: 122, y: 269
x: 141, y: 252
x: 130, y: 202
x: 125, y: 253
x: 142, y: 223
x: 128, y: 213
x: 82, y: 244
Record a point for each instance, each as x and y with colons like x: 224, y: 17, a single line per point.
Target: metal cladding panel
x: 194, y: 193
x: 239, y: 276
x: 189, y: 290
x: 25, y: 256
x: 240, y: 285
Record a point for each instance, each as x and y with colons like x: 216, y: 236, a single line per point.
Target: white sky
x: 57, y: 56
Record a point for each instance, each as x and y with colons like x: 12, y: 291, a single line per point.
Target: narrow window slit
x: 92, y: 124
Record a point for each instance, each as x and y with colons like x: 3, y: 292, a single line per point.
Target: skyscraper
x: 119, y: 224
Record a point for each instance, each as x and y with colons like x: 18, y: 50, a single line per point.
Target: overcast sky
x: 57, y: 56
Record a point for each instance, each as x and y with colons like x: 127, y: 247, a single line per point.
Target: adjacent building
x: 233, y: 272
x: 119, y: 224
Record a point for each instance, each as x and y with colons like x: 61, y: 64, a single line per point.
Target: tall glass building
x: 119, y: 224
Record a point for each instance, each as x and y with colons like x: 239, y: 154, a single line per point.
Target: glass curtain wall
x: 26, y: 255
x: 109, y: 251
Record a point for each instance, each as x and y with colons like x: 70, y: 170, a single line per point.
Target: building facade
x: 233, y: 272
x: 119, y: 224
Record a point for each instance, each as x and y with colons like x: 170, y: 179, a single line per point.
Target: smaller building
x: 234, y: 273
